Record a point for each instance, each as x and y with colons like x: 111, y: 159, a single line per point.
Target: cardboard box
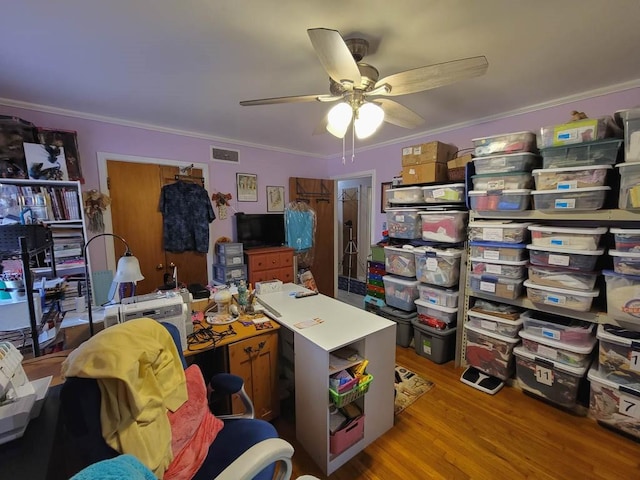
x: 425, y: 173
x: 460, y: 161
x: 432, y: 152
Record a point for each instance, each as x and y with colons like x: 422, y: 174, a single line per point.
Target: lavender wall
x: 387, y: 160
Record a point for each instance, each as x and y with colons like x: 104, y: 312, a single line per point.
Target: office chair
x: 245, y: 448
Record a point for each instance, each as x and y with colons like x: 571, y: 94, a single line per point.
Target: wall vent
x: 222, y: 155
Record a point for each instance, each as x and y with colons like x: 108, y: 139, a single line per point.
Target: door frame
x: 108, y: 222
x: 372, y: 214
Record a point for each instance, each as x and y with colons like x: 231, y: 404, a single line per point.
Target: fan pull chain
x: 343, y: 150
x: 353, y: 140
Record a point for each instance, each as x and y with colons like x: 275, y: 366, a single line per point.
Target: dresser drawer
x: 266, y: 261
x: 283, y: 274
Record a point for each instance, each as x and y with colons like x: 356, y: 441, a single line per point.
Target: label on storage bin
x: 568, y: 185
x: 495, y: 185
x: 634, y: 358
x: 544, y: 375
x: 629, y: 405
x: 407, y: 151
x: 236, y: 261
x: 487, y: 325
x: 433, y: 300
x: 492, y: 268
x: 432, y: 264
x: 417, y: 150
x: 399, y: 218
x: 555, y: 299
x: 487, y: 287
x: 547, y: 351
x: 492, y: 234
x: 491, y: 254
x: 438, y: 193
x: 562, y: 260
x: 558, y: 242
x: 567, y: 203
x: 236, y: 273
x: 426, y: 346
x: 550, y: 333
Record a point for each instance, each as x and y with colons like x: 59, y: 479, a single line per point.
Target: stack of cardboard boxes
x: 426, y: 162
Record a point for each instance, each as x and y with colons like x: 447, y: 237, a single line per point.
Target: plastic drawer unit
x: 623, y: 296
x: 505, y: 143
x: 580, y: 155
x: 571, y: 238
x: 403, y: 223
x: 400, y: 261
x: 502, y: 181
x: 578, y: 199
x: 560, y: 277
x: 448, y: 226
x: 491, y: 323
x: 629, y: 197
x: 490, y: 352
x: 569, y: 178
x: 582, y: 260
x: 626, y: 239
x: 515, y: 162
x: 400, y: 292
x: 229, y: 274
x: 229, y: 249
x: 439, y: 267
x: 510, y: 252
x: 453, y: 193
x: 578, y: 300
x: 498, y: 231
x: 558, y: 351
x: 618, y: 353
x: 501, y: 287
x: 499, y: 200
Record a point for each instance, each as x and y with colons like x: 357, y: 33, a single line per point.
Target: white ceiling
x: 186, y: 64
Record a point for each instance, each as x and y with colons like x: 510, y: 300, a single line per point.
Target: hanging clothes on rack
x: 187, y: 212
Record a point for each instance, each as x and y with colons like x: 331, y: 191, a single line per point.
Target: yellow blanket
x: 140, y: 375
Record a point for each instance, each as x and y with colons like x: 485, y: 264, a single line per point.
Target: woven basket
x: 456, y: 174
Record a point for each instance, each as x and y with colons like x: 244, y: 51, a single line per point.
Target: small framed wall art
x: 384, y: 198
x: 275, y: 199
x: 247, y: 187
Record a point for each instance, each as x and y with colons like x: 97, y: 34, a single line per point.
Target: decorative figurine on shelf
x: 222, y: 201
x: 243, y: 295
x: 94, y: 204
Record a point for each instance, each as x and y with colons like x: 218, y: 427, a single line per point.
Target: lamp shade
x: 370, y: 117
x: 339, y: 118
x: 128, y: 270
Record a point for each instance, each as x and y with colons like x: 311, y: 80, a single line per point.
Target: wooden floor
x: 457, y: 432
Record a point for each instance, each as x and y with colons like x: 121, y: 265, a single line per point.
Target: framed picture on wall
x: 275, y: 199
x: 384, y: 199
x: 247, y: 187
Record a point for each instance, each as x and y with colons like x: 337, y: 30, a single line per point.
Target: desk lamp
x: 128, y: 270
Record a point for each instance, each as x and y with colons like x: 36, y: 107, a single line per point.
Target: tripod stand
x: 350, y: 251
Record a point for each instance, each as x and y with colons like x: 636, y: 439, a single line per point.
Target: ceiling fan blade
x: 294, y: 99
x: 399, y: 114
x: 334, y: 55
x: 432, y: 76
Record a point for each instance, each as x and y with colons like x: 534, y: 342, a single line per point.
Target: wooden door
x: 135, y: 193
x: 349, y: 202
x: 319, y: 194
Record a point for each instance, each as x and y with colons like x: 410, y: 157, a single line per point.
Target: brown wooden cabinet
x: 255, y: 359
x: 269, y: 264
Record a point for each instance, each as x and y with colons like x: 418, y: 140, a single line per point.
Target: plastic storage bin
x: 559, y: 277
x: 502, y: 181
x: 585, y: 130
x: 505, y: 143
x: 591, y: 153
x: 498, y: 231
x: 347, y: 436
x: 558, y: 351
x: 499, y: 325
x: 623, y: 296
x: 438, y: 296
x: 618, y: 354
x: 405, y: 195
x: 510, y: 252
x: 227, y: 274
x: 444, y: 226
x: 404, y: 329
x: 571, y: 238
x: 629, y: 197
x: 230, y: 259
x: 502, y: 287
x: 490, y: 352
x: 229, y: 249
x: 631, y: 119
x: 499, y: 201
x: 400, y: 292
x: 515, y: 162
x: 609, y: 404
x: 571, y: 177
x: 626, y: 239
x: 400, y: 261
x: 582, y: 260
x: 570, y: 200
x: 438, y: 266
x: 403, y: 223
x: 453, y: 193
x: 515, y: 270
x: 436, y: 316
x: 552, y: 381
x: 577, y: 300
x: 627, y: 263
x: 570, y: 331
x: 439, y: 346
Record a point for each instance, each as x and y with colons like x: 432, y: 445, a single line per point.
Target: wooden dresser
x: 269, y: 264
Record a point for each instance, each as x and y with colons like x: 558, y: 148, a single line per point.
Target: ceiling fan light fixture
x: 339, y: 119
x: 368, y: 119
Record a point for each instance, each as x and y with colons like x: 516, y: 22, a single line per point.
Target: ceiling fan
x: 361, y: 90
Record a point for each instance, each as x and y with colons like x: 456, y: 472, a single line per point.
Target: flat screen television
x: 256, y: 230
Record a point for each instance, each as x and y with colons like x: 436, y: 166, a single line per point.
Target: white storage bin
x: 571, y: 238
x: 561, y: 329
x: 552, y: 381
x: 510, y: 252
x: 609, y: 403
x: 447, y: 315
x: 631, y: 119
x: 500, y: 287
x: 515, y: 270
x: 562, y: 277
x: 505, y: 143
x: 626, y: 239
x: 447, y: 226
x: 618, y: 354
x: 577, y: 300
x: 500, y: 201
x: 629, y: 198
x: 400, y: 292
x: 438, y: 266
x: 403, y: 223
x: 558, y: 351
x: 514, y: 162
x: 499, y: 325
x: 498, y: 231
x: 502, y: 181
x: 627, y: 263
x: 453, y: 193
x: 569, y: 178
x: 490, y: 352
x: 570, y: 200
x: 400, y: 261
x: 405, y: 195
x: 582, y: 260
x: 438, y: 296
x: 623, y: 296
x: 585, y: 154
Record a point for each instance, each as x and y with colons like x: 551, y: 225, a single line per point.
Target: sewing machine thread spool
x: 222, y: 297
